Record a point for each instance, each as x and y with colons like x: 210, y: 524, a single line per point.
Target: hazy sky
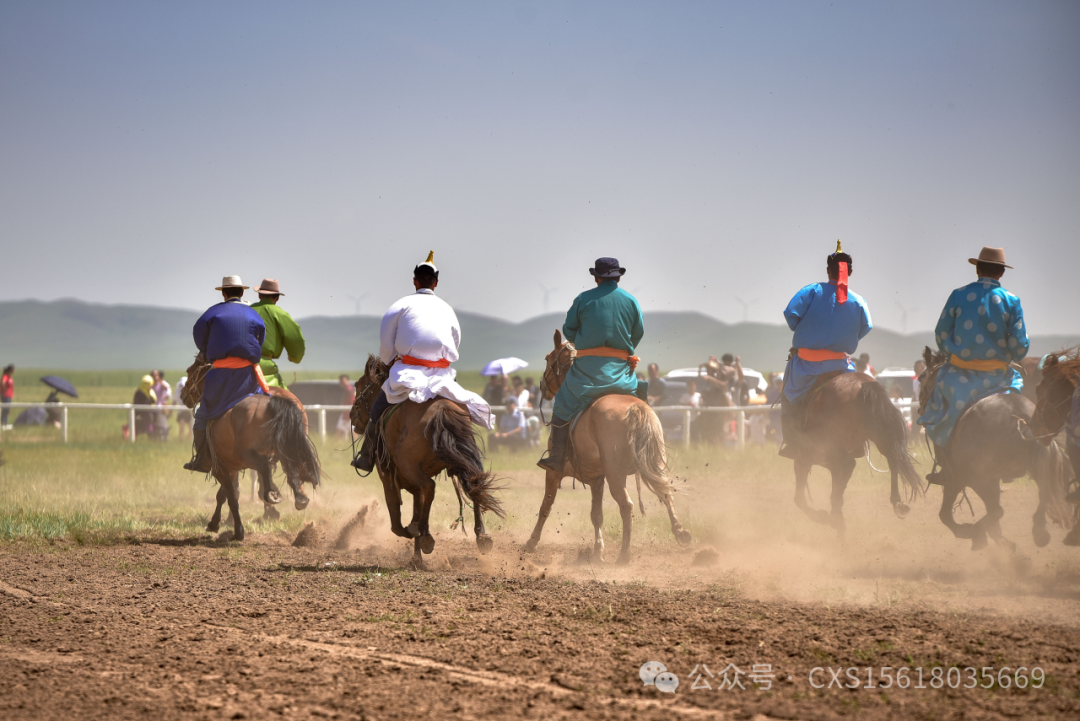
x: 717, y: 149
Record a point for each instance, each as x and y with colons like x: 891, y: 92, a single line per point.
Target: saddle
x: 193, y: 389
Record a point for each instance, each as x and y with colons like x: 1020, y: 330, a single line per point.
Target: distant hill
x: 74, y: 335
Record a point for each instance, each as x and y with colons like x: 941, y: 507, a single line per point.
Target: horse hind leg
x: 841, y: 475
x: 484, y: 542
x: 950, y: 492
x: 802, y: 477
x: 268, y: 490
x: 597, y: 515
x: 215, y: 520
x: 990, y: 494
x: 618, y: 490
x: 231, y: 493
x: 418, y: 528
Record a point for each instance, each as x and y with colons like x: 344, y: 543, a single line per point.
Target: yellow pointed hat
x: 430, y: 263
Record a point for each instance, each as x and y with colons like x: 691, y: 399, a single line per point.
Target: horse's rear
x: 618, y: 435
x: 845, y: 414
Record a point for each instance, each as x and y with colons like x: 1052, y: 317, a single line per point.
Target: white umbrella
x: 503, y: 367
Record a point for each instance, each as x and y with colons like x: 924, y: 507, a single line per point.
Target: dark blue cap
x: 607, y: 268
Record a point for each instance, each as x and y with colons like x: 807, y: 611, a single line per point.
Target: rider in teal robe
x: 603, y: 317
x: 981, y: 331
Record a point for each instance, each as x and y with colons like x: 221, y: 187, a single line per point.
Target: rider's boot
x: 937, y: 476
x: 556, y: 457
x: 365, y: 459
x: 201, y: 461
x: 790, y: 427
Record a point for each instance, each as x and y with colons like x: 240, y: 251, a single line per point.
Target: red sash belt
x: 605, y: 352
x: 820, y: 354
x: 233, y: 363
x: 410, y: 361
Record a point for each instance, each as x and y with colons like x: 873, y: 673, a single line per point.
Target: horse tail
x: 646, y: 438
x: 886, y: 428
x: 1052, y: 472
x: 289, y: 439
x: 449, y: 430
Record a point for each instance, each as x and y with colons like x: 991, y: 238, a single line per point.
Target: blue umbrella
x: 60, y: 384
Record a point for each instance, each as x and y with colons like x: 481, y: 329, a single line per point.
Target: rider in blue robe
x: 982, y: 331
x: 605, y: 319
x: 226, y: 330
x: 828, y: 321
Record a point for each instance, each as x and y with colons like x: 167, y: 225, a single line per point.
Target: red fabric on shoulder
x: 841, y: 284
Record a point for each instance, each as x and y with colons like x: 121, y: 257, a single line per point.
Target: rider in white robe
x: 421, y: 331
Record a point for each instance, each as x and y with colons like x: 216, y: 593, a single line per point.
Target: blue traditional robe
x: 229, y: 329
x: 605, y: 316
x: 821, y: 323
x: 982, y: 323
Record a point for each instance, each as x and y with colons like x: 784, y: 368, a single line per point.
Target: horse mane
x: 1065, y: 364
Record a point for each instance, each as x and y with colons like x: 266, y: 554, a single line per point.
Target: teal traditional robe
x: 605, y: 316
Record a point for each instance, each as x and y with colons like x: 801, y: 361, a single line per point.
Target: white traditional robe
x: 424, y: 326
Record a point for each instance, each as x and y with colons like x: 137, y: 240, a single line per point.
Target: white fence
x: 689, y: 414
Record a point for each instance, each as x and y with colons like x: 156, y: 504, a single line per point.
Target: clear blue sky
x: 717, y: 149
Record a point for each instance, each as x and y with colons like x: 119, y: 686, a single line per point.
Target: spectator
x: 691, y: 397
x: 862, y: 365
x: 520, y: 394
x: 534, y: 392
x: 163, y: 391
x: 183, y: 417
x: 511, y: 429
x: 495, y: 390
x: 348, y: 397
x: 7, y: 395
x: 144, y: 396
x: 657, y: 386
x: 920, y: 368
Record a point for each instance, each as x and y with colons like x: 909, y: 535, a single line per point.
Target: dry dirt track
x: 157, y: 629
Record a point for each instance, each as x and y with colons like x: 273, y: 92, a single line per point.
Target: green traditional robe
x: 604, y: 316
x: 282, y: 332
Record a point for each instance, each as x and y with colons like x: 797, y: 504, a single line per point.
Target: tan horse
x: 1058, y: 380
x: 417, y: 442
x: 618, y: 435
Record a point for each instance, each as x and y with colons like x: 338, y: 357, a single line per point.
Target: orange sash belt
x: 605, y: 352
x: 820, y: 354
x: 233, y: 363
x: 409, y: 360
x: 978, y: 365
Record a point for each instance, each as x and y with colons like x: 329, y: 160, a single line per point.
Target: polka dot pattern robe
x: 981, y: 322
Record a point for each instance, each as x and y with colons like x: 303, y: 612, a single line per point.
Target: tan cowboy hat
x: 990, y: 255
x: 269, y: 286
x: 231, y: 281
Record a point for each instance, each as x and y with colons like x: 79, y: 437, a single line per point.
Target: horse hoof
x: 413, y: 530
x: 624, y: 559
x: 484, y: 542
x: 1073, y: 538
x: 978, y: 543
x: 1008, y: 545
x: 1041, y: 536
x: 272, y: 497
x: 399, y: 531
x: 270, y: 513
x: 901, y: 510
x: 530, y: 547
x: 683, y: 537
x: 212, y: 527
x: 302, y: 501
x: 427, y: 543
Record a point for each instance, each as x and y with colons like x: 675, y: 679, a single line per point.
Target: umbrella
x: 60, y: 384
x: 503, y: 367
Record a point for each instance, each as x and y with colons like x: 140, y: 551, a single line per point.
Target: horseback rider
x: 605, y: 325
x: 981, y: 331
x: 828, y: 321
x: 230, y: 335
x: 282, y: 332
x: 420, y: 336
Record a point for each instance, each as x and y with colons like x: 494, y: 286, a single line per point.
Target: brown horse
x: 417, y: 442
x: 1060, y: 377
x: 614, y: 437
x: 254, y: 434
x: 990, y: 444
x: 845, y: 414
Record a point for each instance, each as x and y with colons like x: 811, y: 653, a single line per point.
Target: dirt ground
x: 198, y: 627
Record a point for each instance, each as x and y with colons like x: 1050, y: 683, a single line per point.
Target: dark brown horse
x: 1060, y: 377
x: 990, y: 444
x: 417, y: 442
x: 845, y: 414
x: 616, y: 436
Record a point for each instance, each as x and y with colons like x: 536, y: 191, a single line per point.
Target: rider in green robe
x: 282, y: 332
x: 605, y: 325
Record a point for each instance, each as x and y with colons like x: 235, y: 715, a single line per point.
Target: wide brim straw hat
x: 994, y: 256
x: 231, y: 281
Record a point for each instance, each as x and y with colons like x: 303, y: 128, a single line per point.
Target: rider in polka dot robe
x: 981, y: 330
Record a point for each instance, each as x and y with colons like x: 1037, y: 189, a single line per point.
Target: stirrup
x: 936, y: 478
x: 548, y: 463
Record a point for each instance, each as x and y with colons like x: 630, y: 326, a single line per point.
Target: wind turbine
x: 903, y: 316
x: 358, y: 301
x: 746, y: 307
x: 547, y: 294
